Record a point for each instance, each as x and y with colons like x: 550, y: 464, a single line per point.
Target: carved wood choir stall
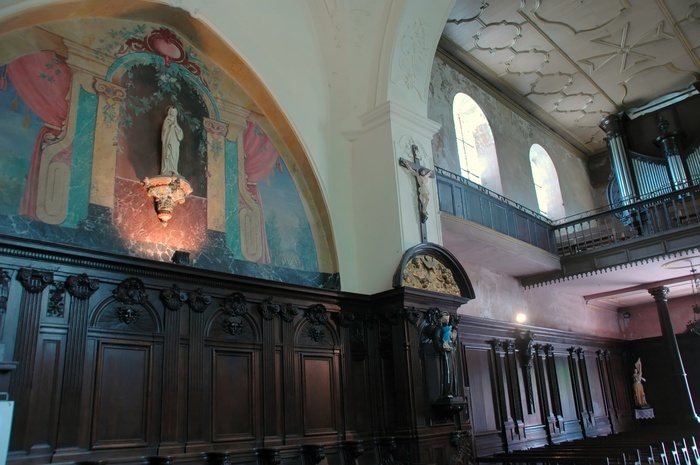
x: 126, y: 360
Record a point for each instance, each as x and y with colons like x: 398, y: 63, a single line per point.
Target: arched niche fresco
x: 82, y: 102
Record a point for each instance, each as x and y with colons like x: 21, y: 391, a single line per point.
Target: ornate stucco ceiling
x: 570, y: 62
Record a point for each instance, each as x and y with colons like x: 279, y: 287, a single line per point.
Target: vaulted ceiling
x: 570, y: 62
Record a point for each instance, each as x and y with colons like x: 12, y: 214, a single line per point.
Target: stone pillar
x: 387, y: 205
x: 684, y: 400
x: 669, y: 142
x: 618, y: 158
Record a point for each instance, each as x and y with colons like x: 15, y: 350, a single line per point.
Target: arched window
x: 475, y: 145
x: 546, y: 181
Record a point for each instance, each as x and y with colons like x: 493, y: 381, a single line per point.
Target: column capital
x: 659, y: 293
x: 611, y: 124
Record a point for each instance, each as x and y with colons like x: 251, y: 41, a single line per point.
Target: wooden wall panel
x: 123, y: 391
x: 233, y: 384
x: 47, y: 389
x: 319, y: 410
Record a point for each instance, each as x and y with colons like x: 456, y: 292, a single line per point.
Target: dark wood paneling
x: 123, y: 391
x: 233, y: 395
x: 319, y: 407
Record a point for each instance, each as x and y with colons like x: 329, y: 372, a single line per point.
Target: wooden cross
x: 421, y: 173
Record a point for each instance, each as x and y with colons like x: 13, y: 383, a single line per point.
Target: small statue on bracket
x: 444, y: 337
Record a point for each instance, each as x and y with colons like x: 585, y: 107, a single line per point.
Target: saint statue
x: 171, y: 136
x: 444, y: 340
x: 640, y: 400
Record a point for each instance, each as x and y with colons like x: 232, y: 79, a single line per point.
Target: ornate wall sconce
x: 167, y: 191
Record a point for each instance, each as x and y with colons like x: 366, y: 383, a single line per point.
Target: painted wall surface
x: 513, y: 132
x: 501, y: 297
x: 80, y: 119
x: 643, y: 320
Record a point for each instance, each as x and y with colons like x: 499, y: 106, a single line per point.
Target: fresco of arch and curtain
x: 81, y: 112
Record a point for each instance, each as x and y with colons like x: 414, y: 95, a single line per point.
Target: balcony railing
x: 641, y: 219
x: 577, y: 234
x: 466, y: 199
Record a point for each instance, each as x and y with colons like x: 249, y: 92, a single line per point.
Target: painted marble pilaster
x: 216, y: 185
x: 109, y: 106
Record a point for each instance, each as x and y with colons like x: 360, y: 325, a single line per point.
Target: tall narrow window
x: 544, y: 175
x: 475, y: 145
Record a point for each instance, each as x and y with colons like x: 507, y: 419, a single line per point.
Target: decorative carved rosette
x: 198, y: 300
x: 131, y: 291
x: 317, y: 314
x: 173, y: 298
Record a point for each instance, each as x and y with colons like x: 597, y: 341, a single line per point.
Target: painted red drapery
x: 260, y: 159
x: 42, y: 80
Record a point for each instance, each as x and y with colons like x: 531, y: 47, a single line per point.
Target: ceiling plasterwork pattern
x: 571, y: 62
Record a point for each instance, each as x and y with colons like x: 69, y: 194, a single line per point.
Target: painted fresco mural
x: 81, y: 112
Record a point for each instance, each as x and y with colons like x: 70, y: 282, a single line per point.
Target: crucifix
x: 421, y: 174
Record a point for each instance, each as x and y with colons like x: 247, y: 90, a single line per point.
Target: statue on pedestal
x: 170, y: 136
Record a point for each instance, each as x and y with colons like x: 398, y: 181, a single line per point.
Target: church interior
x: 349, y: 232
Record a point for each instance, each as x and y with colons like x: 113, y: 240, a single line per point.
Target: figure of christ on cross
x: 421, y: 173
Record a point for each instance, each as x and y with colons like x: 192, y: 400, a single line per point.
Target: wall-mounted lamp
x: 181, y: 257
x: 626, y: 315
x: 520, y: 318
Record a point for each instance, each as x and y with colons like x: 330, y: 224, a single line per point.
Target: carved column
x: 198, y: 302
x: 110, y: 101
x: 173, y: 300
x: 271, y: 419
x: 513, y: 386
x: 683, y: 400
x: 34, y: 282
x: 507, y: 422
x: 618, y: 157
x: 543, y: 390
x: 292, y: 426
x: 585, y: 388
x: 670, y: 144
x: 80, y: 288
x: 581, y: 410
x: 554, y: 390
x: 607, y: 387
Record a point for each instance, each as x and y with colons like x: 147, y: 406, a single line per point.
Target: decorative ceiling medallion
x: 528, y: 62
x: 497, y: 36
x: 623, y: 49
